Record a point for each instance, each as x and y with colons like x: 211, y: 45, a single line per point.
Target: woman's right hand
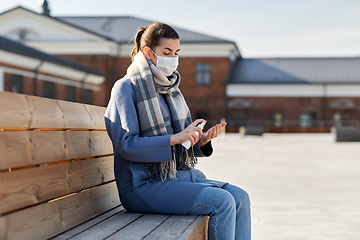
x: 188, y: 134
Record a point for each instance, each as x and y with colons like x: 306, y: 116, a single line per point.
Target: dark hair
x: 151, y: 36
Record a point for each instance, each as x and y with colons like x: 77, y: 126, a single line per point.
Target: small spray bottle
x: 187, y: 143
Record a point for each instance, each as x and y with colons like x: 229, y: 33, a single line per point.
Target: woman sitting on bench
x: 147, y: 120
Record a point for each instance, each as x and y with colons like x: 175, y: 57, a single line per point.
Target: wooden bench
x: 57, y: 180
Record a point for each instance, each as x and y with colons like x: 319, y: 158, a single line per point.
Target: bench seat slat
x: 140, y: 228
x: 49, y: 219
x: 197, y: 230
x: 24, y: 148
x: 173, y: 227
x: 109, y: 226
x: 26, y: 187
x: 88, y: 224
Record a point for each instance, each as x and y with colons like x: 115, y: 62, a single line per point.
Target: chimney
x: 45, y: 7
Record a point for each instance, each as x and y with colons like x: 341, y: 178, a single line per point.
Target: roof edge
x: 58, y: 20
x: 46, y: 57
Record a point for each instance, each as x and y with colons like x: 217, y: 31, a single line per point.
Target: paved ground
x: 302, y: 186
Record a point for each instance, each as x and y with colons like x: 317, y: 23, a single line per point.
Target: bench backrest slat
x: 22, y: 111
x: 51, y: 218
x: 25, y: 148
x: 36, y: 185
x: 14, y: 112
x: 56, y: 166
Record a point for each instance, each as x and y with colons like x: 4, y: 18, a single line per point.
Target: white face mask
x: 167, y: 65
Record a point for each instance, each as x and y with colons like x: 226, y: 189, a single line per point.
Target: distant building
x: 29, y: 71
x: 105, y: 43
x: 294, y: 94
x: 284, y: 95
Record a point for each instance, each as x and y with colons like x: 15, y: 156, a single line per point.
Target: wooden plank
x: 47, y: 146
x: 14, y: 111
x: 173, y: 227
x: 76, y: 115
x: 24, y: 111
x: 140, y: 228
x: 77, y: 144
x: 88, y: 224
x: 109, y: 226
x: 97, y: 116
x: 198, y: 230
x: 46, y: 113
x: 80, y: 144
x: 100, y: 143
x: 15, y: 149
x: 24, y: 148
x: 26, y: 187
x: 50, y: 146
x: 49, y: 219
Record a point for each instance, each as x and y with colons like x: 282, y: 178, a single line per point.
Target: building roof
x: 295, y: 70
x: 18, y: 48
x: 123, y: 28
x: 55, y: 19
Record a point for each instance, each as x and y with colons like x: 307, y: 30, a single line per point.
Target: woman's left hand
x: 211, y: 133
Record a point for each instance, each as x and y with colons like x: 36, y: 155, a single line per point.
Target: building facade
x: 29, y: 71
x: 281, y: 94
x: 294, y: 94
x: 105, y: 44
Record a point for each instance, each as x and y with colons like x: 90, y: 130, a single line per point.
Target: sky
x: 260, y: 28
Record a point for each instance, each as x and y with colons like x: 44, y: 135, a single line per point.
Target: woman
x: 147, y: 120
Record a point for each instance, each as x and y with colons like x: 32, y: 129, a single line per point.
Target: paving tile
x: 302, y: 186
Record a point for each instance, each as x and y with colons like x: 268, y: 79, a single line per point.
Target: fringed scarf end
x: 183, y: 159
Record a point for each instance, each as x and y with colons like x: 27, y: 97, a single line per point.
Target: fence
x: 286, y: 126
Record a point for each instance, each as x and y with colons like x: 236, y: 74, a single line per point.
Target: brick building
x: 29, y: 71
x: 105, y: 43
x: 294, y: 94
x: 284, y: 95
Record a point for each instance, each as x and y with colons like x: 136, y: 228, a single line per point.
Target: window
x: 70, y: 93
x: 88, y: 96
x: 306, y: 119
x: 203, y: 74
x: 341, y: 118
x: 337, y: 119
x: 276, y: 119
x: 49, y: 89
x: 238, y: 114
x: 17, y: 84
x: 238, y: 117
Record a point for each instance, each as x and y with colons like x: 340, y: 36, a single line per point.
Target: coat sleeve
x: 123, y: 128
x: 204, y: 151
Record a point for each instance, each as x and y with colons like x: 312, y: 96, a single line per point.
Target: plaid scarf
x: 148, y: 83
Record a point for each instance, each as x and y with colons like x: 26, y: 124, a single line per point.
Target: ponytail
x: 151, y: 35
x: 137, y: 41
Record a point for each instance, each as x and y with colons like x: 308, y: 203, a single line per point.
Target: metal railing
x: 285, y: 126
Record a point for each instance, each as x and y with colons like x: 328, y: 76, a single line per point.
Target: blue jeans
x: 229, y: 211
